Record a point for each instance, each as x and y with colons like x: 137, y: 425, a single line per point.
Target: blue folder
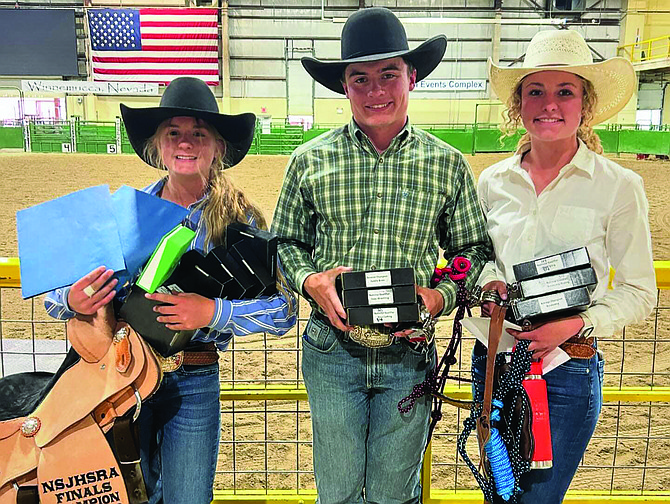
x: 63, y: 239
x: 142, y: 221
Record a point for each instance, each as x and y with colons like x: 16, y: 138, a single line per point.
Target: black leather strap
x: 126, y: 449
x: 27, y: 495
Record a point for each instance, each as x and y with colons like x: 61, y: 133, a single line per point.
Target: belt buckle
x: 172, y: 363
x: 371, y: 337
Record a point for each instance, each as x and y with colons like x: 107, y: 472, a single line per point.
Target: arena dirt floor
x: 28, y: 179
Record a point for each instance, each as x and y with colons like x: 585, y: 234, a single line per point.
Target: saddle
x: 69, y: 437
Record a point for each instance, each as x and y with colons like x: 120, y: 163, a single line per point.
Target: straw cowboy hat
x: 191, y: 97
x: 375, y: 34
x: 566, y: 50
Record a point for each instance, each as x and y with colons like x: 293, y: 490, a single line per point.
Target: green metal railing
x: 280, y: 138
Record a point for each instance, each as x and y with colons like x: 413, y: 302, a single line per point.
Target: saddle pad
x: 21, y: 393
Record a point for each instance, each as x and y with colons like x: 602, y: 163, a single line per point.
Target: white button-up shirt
x: 593, y: 202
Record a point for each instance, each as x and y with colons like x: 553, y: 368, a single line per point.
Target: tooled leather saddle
x: 69, y: 436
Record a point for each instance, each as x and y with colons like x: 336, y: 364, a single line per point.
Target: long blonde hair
x: 512, y: 117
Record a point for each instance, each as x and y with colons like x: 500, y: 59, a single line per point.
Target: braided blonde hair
x: 512, y: 117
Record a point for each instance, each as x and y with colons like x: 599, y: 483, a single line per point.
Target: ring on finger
x: 89, y: 290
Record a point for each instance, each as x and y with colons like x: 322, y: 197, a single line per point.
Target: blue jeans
x: 179, y: 436
x: 575, y: 396
x: 364, y: 449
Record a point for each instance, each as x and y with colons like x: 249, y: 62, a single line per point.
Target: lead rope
x: 506, y: 468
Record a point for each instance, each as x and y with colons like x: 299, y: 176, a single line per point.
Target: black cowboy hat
x: 375, y: 34
x: 191, y: 97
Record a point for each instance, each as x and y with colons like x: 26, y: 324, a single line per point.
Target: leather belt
x: 580, y: 347
x: 322, y: 318
x: 197, y: 355
x: 201, y: 355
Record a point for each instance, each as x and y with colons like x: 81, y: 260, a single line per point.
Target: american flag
x: 154, y: 45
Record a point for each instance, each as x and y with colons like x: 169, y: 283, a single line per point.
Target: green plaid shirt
x: 344, y: 204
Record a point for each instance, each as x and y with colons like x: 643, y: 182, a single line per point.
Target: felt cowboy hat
x: 375, y: 34
x: 566, y: 50
x: 191, y: 97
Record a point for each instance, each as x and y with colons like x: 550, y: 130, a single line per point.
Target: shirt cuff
x: 448, y: 291
x: 487, y: 275
x: 300, y: 278
x: 65, y: 294
x: 223, y: 312
x: 601, y: 319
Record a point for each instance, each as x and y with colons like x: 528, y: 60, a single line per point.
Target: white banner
x: 451, y: 85
x: 87, y: 87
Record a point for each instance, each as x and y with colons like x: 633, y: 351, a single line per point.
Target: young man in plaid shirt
x: 376, y: 193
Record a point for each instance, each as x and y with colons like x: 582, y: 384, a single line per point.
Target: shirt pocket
x: 415, y: 219
x: 573, y: 225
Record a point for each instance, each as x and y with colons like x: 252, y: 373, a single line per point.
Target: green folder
x: 165, y: 258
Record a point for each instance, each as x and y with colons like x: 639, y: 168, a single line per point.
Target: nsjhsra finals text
x: 91, y: 487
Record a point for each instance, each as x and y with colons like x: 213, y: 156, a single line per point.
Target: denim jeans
x: 179, y: 436
x: 365, y: 450
x: 575, y: 396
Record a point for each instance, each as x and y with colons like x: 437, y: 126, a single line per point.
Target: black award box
x: 550, y: 306
x: 254, y: 242
x: 572, y: 259
x: 139, y: 312
x: 400, y: 294
x: 583, y: 277
x: 368, y: 315
x: 377, y: 278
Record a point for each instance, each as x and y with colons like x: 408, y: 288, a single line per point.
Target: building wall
x: 268, y: 38
x: 657, y: 19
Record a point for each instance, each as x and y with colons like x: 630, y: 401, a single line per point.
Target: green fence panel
x: 488, y: 139
x: 11, y: 137
x: 282, y: 139
x: 609, y: 139
x: 460, y: 139
x: 126, y: 148
x: 644, y: 142
x: 313, y: 133
x: 96, y: 137
x: 100, y: 137
x: 49, y: 137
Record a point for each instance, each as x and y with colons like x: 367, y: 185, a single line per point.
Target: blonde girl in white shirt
x: 559, y: 193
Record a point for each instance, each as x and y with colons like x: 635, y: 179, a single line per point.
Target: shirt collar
x: 583, y: 159
x: 155, y: 189
x: 358, y: 135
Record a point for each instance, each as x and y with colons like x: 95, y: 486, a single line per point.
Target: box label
x: 558, y: 282
x: 380, y: 296
x: 552, y: 303
x: 548, y: 264
x: 378, y: 279
x: 384, y: 315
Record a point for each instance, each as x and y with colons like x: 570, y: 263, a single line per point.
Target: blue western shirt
x: 275, y: 314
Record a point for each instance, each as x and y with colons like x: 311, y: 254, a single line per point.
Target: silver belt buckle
x: 172, y: 363
x: 371, y: 337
